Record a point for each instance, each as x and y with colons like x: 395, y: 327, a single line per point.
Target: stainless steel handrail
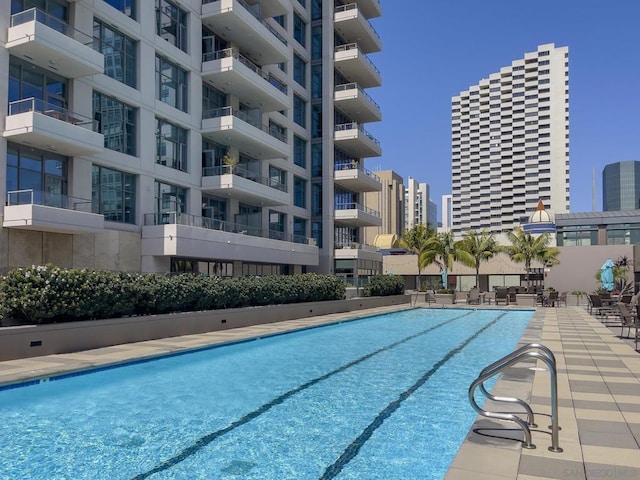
x: 531, y: 350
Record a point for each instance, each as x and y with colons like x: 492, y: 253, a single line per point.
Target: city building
x: 223, y: 137
x: 416, y: 204
x: 510, y: 143
x: 390, y: 203
x: 447, y: 211
x: 621, y: 186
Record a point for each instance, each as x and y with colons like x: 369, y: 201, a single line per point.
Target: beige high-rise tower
x: 510, y: 143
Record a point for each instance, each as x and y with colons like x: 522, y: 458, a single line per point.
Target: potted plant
x: 230, y: 161
x: 578, y: 294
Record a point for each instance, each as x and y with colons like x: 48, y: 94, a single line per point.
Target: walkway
x: 598, y: 385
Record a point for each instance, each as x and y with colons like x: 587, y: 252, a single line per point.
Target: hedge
x: 384, y: 285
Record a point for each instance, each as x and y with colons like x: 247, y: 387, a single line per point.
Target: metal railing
x: 40, y: 16
x: 530, y: 351
x: 356, y: 246
x: 354, y: 6
x: 341, y: 127
x: 244, y: 116
x: 176, y: 218
x: 353, y: 165
x: 244, y: 173
x: 354, y: 86
x: 48, y: 199
x: 354, y: 46
x: 255, y: 12
x: 356, y: 206
x: 51, y: 110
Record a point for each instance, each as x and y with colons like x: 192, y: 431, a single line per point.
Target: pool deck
x: 598, y: 393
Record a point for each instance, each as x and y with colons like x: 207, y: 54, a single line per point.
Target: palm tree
x: 526, y: 248
x: 415, y: 240
x: 476, y: 248
x: 442, y: 249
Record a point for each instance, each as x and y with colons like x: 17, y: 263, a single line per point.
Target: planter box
x: 526, y: 299
x: 445, y: 298
x: 35, y: 340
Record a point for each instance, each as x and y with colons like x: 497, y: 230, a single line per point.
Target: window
x: 281, y: 20
x: 299, y: 230
x: 299, y: 30
x: 299, y: 111
x: 27, y: 81
x: 316, y: 81
x: 316, y: 159
x: 299, y: 151
x: 113, y: 193
x: 117, y: 122
x: 303, y: 2
x: 128, y: 7
x: 214, y: 208
x: 278, y: 131
x: 171, y: 84
x: 316, y: 9
x: 171, y: 23
x: 171, y: 146
x: 316, y: 199
x: 277, y: 178
x: 299, y: 70
x: 120, y: 55
x: 299, y: 192
x: 277, y: 223
x: 170, y: 201
x: 316, y: 120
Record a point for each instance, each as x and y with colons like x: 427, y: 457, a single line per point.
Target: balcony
x: 356, y: 178
x: 356, y: 141
x: 356, y: 104
x: 229, y: 71
x: 240, y: 23
x: 228, y: 126
x: 179, y: 234
x: 52, y: 44
x: 357, y: 251
x: 355, y: 66
x: 354, y: 27
x: 48, y: 127
x: 370, y: 8
x: 356, y: 215
x: 50, y: 212
x: 238, y: 183
x: 272, y: 8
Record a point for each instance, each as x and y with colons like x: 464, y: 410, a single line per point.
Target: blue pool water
x: 379, y: 398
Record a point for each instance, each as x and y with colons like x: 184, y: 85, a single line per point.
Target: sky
x: 434, y: 49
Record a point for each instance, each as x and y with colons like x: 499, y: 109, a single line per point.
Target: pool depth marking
x: 202, y: 442
x: 354, y: 448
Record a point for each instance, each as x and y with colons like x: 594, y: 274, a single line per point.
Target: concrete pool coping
x: 598, y: 388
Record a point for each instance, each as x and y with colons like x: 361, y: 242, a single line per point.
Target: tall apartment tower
x: 621, y: 186
x: 390, y: 203
x: 222, y: 137
x: 416, y: 205
x: 510, y: 143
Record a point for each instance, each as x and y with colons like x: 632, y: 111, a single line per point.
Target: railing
x: 354, y: 86
x: 37, y: 15
x: 354, y: 46
x: 531, y: 350
x: 244, y: 173
x: 353, y: 165
x: 354, y: 6
x: 227, y: 111
x: 356, y: 246
x: 51, y: 110
x: 356, y: 126
x: 357, y: 206
x: 175, y: 218
x: 48, y: 199
x: 256, y: 14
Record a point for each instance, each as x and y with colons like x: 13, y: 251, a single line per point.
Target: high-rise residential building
x: 447, y: 208
x: 390, y: 203
x: 510, y: 143
x: 416, y: 204
x: 223, y: 137
x: 621, y: 186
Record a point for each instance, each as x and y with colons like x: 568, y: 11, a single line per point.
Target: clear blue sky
x: 434, y: 49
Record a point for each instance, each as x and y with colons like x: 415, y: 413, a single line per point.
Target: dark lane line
x: 354, y: 448
x: 202, y: 442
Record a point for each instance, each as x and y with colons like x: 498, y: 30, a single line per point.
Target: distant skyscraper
x: 447, y: 206
x: 416, y: 204
x: 510, y: 143
x: 621, y: 186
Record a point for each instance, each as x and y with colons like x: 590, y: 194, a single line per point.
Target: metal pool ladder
x: 530, y: 350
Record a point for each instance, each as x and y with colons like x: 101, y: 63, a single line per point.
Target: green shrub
x: 446, y: 291
x: 384, y: 285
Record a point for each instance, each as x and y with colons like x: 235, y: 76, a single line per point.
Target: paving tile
x: 588, y: 387
x: 623, y: 457
x: 551, y: 468
x: 596, y: 471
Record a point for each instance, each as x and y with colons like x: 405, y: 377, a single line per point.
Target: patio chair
x: 551, y: 299
x: 473, y: 296
x: 502, y: 295
x: 627, y: 320
x: 562, y: 298
x: 600, y: 309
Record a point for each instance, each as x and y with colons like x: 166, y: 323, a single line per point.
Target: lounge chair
x: 502, y: 295
x: 551, y: 299
x: 596, y: 307
x: 627, y: 320
x: 473, y: 296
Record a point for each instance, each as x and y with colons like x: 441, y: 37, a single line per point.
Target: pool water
x: 379, y: 398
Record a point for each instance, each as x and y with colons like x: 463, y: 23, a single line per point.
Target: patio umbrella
x: 443, y: 274
x: 606, y: 275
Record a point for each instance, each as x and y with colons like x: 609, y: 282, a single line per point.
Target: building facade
x: 621, y: 186
x: 390, y: 203
x: 416, y: 204
x: 221, y: 137
x: 510, y: 143
x: 447, y: 211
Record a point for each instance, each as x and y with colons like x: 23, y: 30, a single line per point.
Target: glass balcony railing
x: 354, y: 46
x: 245, y: 117
x: 355, y: 126
x: 175, y: 218
x: 357, y: 206
x: 51, y: 110
x: 354, y: 86
x: 356, y: 246
x: 353, y: 165
x: 35, y: 14
x: 48, y: 199
x: 244, y: 173
x: 354, y: 6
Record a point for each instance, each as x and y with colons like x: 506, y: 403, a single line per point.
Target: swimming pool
x: 382, y: 397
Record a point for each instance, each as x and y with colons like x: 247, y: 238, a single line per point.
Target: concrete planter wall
x: 446, y: 298
x: 34, y: 340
